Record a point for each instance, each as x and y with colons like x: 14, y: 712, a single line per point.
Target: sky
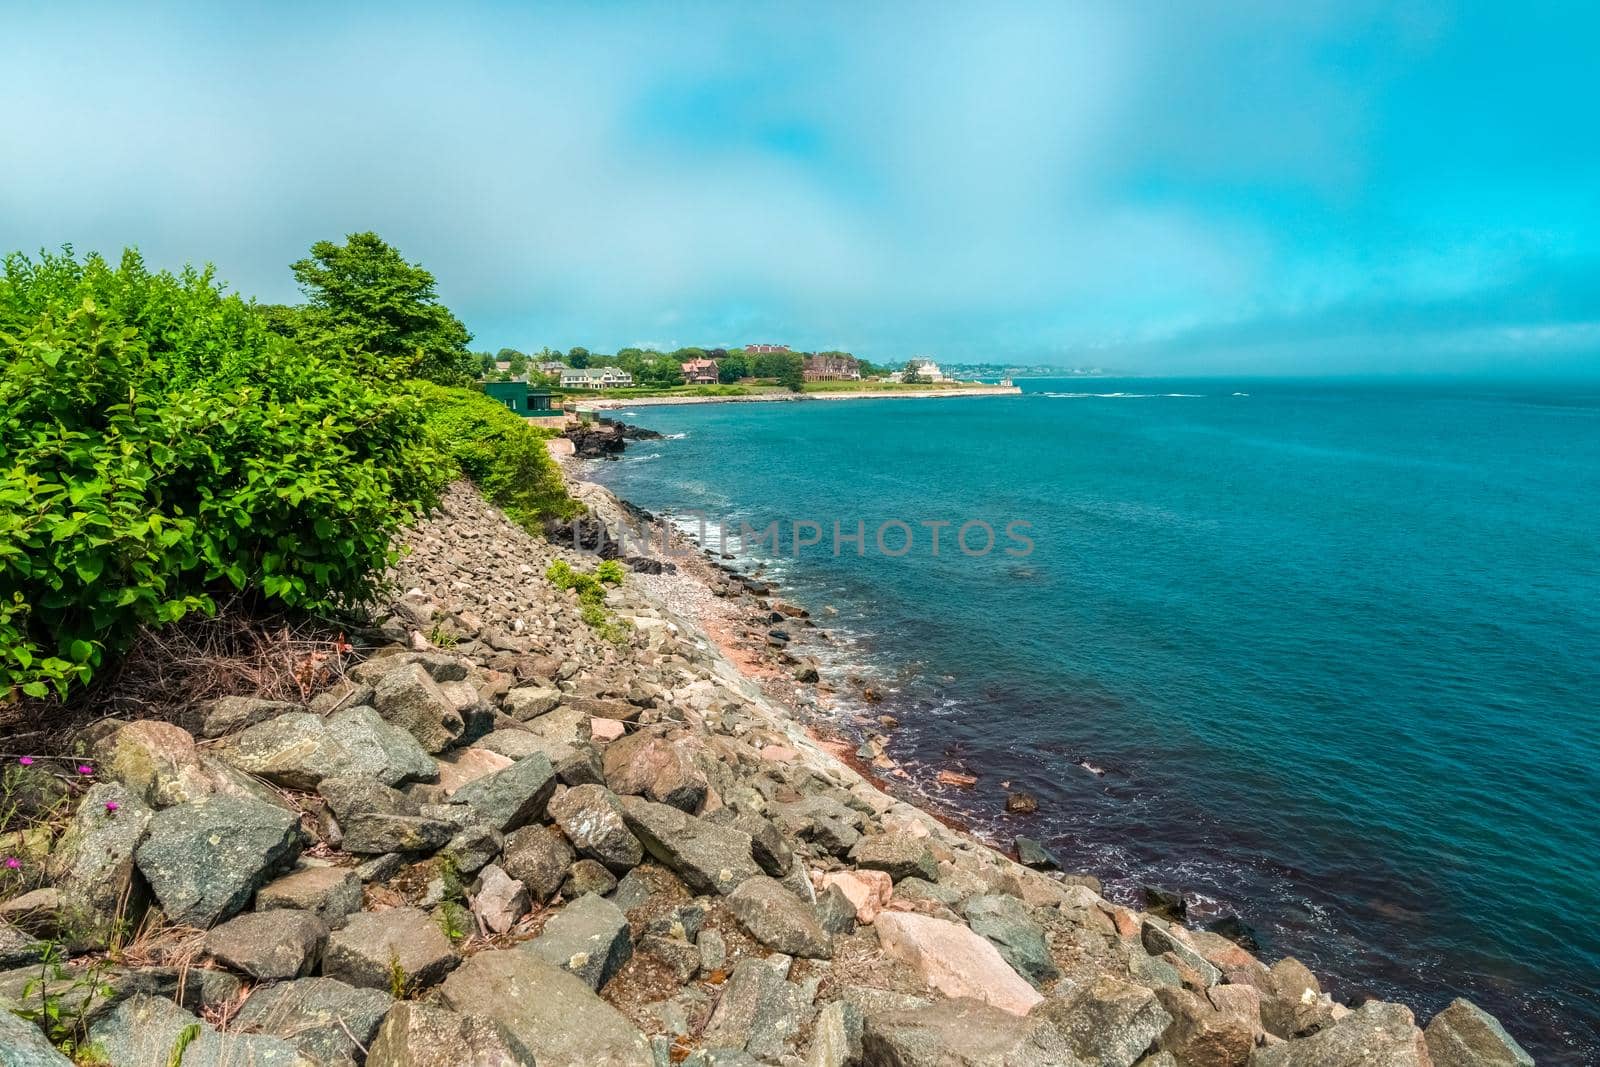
x: 1151, y: 187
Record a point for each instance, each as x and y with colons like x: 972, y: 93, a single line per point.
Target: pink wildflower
x: 26, y: 761
x: 111, y: 807
x: 84, y: 768
x: 13, y: 864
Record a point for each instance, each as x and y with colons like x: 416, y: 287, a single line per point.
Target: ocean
x: 1323, y: 654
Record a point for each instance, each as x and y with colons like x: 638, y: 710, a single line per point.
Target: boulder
x: 1215, y: 1028
x: 779, y: 919
x: 552, y: 1014
x: 952, y: 959
x: 93, y: 864
x: 145, y: 1029
x: 350, y: 796
x: 409, y: 698
x: 322, y: 1017
x: 269, y: 945
x: 1375, y: 1033
x: 588, y: 876
x: 1007, y: 925
x: 957, y: 1033
x: 1464, y: 1035
x: 156, y: 761
x: 424, y: 1035
x: 296, y: 750
x: 473, y: 846
x: 758, y: 1013
x: 464, y: 765
x: 512, y: 797
x: 868, y: 891
x: 591, y: 817
x: 500, y: 901
x: 576, y: 762
x: 23, y: 1044
x: 329, y: 893
x: 835, y: 911
x: 835, y: 1037
x: 1032, y: 854
x: 588, y: 938
x: 227, y: 714
x: 378, y: 749
x: 373, y: 834
x: 1160, y: 938
x: 402, y: 948
x: 1106, y: 1023
x: 205, y: 859
x: 657, y: 766
x: 709, y: 858
x: 529, y: 702
x: 538, y: 858
x: 897, y: 855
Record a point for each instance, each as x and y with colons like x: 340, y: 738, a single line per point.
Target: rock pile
x: 504, y: 839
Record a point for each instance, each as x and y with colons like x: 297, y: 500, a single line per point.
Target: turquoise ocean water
x: 1323, y: 654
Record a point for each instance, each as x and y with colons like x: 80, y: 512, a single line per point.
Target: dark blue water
x: 1325, y: 654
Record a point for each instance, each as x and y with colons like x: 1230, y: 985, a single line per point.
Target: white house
x: 927, y: 369
x: 552, y: 367
x: 594, y: 378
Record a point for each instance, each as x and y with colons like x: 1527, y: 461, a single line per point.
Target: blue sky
x: 1157, y: 187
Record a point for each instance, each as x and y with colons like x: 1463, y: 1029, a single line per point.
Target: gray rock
x: 409, y: 698
x: 23, y: 1044
x: 378, y: 749
x: 713, y: 951
x: 373, y: 834
x: 227, y: 714
x: 500, y: 901
x: 1375, y: 1033
x: 423, y: 1035
x: 1158, y: 938
x: 1106, y: 1023
x: 512, y: 797
x: 835, y: 911
x: 657, y: 766
x: 148, y: 1030
x: 779, y: 919
x: 588, y: 876
x: 758, y: 1013
x: 343, y: 694
x: 591, y: 817
x: 296, y: 750
x: 401, y: 947
x: 710, y: 858
x: 268, y: 945
x: 767, y: 846
x: 588, y: 938
x: 680, y: 957
x: 528, y: 702
x: 348, y: 796
x: 93, y: 863
x: 205, y: 859
x: 952, y: 1033
x: 330, y: 893
x: 1464, y: 1035
x: 897, y: 855
x: 1006, y: 923
x: 539, y: 858
x: 577, y: 762
x: 473, y: 846
x: 322, y: 1017
x: 836, y: 1037
x: 1031, y: 853
x: 553, y: 1014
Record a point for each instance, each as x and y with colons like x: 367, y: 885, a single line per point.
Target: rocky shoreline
x: 517, y: 831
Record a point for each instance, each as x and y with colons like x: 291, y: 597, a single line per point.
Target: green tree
x: 663, y: 371
x: 578, y: 356
x: 519, y: 365
x: 791, y: 371
x: 732, y: 367
x: 911, y: 376
x: 366, y: 300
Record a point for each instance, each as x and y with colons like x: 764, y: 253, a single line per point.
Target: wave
x: 673, y: 436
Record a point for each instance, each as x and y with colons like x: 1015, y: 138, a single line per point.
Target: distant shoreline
x: 609, y: 404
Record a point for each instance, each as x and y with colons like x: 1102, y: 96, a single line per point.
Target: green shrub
x: 498, y: 450
x: 610, y: 572
x: 160, y: 444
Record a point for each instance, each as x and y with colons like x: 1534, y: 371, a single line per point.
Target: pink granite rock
x: 606, y: 729
x: 869, y: 891
x: 468, y: 765
x: 955, y: 961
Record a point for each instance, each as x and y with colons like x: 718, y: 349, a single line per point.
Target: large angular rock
x: 401, y: 947
x: 23, y: 1044
x: 463, y: 765
x: 835, y: 1037
x: 205, y: 859
x: 529, y: 702
x: 758, y: 1012
x: 1005, y: 922
x: 576, y: 762
x: 588, y: 938
x: 957, y: 1033
x: 329, y: 893
x: 268, y: 945
x: 1464, y: 1035
x: 156, y: 761
x: 551, y: 1013
x: 779, y: 919
x: 374, y: 833
x: 656, y: 766
x: 538, y: 858
x: 1216, y: 1028
x: 379, y: 749
x: 1107, y: 1023
x: 1159, y: 937
x: 295, y: 751
x: 897, y: 855
x: 144, y: 1029
x: 591, y: 817
x: 422, y: 1035
x: 710, y: 858
x: 500, y: 901
x: 227, y: 714
x: 955, y: 961
x: 1374, y: 1034
x: 409, y: 698
x: 93, y: 864
x: 322, y: 1017
x: 510, y: 798
x: 867, y: 891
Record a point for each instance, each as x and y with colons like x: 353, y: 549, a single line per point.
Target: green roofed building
x: 519, y: 397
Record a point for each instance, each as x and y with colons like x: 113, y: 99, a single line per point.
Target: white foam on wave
x: 1098, y: 772
x: 673, y: 436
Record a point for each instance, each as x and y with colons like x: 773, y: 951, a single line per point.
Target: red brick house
x: 700, y: 371
x: 832, y: 367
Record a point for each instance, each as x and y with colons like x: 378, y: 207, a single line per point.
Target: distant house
x: 594, y: 378
x: 759, y: 349
x: 700, y: 372
x: 927, y: 370
x: 550, y: 367
x: 832, y: 367
x: 517, y: 396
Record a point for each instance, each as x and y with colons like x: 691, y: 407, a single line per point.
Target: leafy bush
x: 592, y: 595
x: 158, y: 444
x: 497, y: 449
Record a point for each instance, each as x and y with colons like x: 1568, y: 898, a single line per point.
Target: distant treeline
x: 655, y: 368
